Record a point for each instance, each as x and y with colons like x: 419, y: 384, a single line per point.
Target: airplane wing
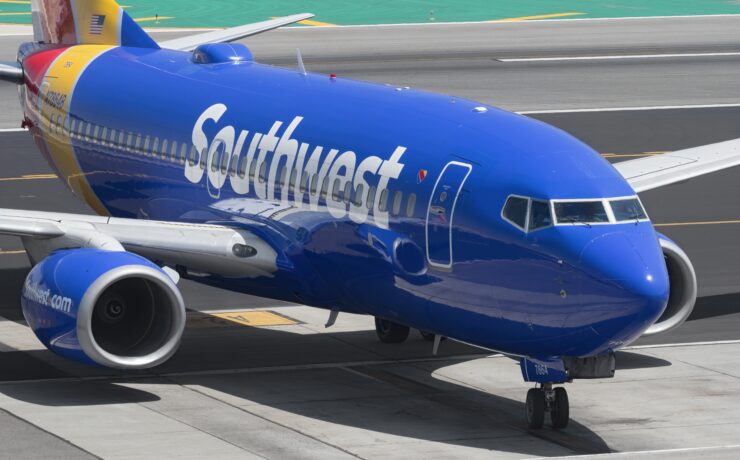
x: 231, y: 34
x: 659, y: 170
x: 205, y: 248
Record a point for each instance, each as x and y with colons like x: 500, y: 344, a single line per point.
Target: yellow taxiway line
x: 29, y: 177
x: 253, y: 318
x: 7, y: 253
x: 17, y: 2
x: 539, y: 16
x: 154, y: 18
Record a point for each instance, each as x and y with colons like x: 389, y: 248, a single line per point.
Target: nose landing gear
x: 545, y: 398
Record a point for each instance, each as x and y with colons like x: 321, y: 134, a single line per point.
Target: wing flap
x: 231, y: 34
x: 660, y: 170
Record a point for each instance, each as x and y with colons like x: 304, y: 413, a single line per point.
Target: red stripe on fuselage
x: 36, y: 65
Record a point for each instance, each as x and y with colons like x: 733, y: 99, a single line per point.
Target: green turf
x: 222, y: 13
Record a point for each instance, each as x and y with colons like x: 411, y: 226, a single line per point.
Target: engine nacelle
x: 683, y: 288
x: 114, y: 309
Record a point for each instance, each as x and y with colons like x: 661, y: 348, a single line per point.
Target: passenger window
x: 242, y: 169
x: 71, y: 123
x: 293, y: 178
x: 335, y: 190
x: 314, y: 184
x: 232, y: 166
x: 96, y: 134
x: 515, y: 211
x: 410, y: 205
x: 192, y: 154
x: 137, y: 145
x: 173, y: 152
x: 383, y: 205
x: 252, y: 169
x: 165, y: 144
x: 88, y: 131
x: 304, y: 182
x: 539, y: 215
x: 371, y: 197
x: 283, y: 173
x: 358, y: 195
x: 263, y: 171
x: 397, y: 198
x: 203, y: 158
x: 183, y: 153
x: 155, y: 147
x: 147, y: 140
x: 347, y: 191
x: 104, y: 135
x: 225, y: 159
x: 325, y: 187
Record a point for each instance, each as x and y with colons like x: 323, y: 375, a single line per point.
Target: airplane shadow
x: 395, y: 397
x: 715, y: 306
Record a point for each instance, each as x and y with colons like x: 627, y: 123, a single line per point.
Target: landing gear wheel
x: 390, y: 332
x: 535, y: 408
x: 560, y: 409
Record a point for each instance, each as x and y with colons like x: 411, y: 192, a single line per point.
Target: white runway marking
x: 624, y: 109
x: 618, y: 56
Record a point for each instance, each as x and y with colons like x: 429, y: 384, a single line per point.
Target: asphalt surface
x: 208, y: 353
x: 464, y: 60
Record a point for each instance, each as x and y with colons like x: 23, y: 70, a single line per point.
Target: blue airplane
x: 425, y: 211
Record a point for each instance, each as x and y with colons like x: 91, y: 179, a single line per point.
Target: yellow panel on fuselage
x: 56, y: 95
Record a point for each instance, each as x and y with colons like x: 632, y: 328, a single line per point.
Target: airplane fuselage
x: 380, y: 200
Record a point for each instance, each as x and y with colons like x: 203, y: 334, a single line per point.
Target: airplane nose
x: 631, y: 267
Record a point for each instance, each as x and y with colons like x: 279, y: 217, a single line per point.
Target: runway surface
x: 299, y: 391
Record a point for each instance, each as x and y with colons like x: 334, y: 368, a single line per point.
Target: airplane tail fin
x: 88, y: 22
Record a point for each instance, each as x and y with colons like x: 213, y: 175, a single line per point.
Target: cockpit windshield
x: 530, y: 214
x: 627, y: 209
x: 582, y: 212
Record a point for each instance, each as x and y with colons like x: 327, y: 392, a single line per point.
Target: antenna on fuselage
x: 301, y: 67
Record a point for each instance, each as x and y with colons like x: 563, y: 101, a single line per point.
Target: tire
x: 390, y: 332
x: 560, y: 411
x: 535, y: 409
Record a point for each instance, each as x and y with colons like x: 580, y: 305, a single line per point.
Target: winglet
x: 231, y: 34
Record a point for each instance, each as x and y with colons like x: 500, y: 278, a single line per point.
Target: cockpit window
x: 586, y: 212
x: 539, y: 215
x: 515, y: 210
x: 628, y: 209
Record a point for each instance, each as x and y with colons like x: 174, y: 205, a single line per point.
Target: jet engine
x: 683, y: 288
x: 114, y: 309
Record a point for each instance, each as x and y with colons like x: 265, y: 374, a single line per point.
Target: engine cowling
x: 683, y: 288
x: 114, y: 309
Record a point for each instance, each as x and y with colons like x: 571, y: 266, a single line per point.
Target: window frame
x: 529, y: 214
x: 610, y: 211
x: 526, y: 215
x: 603, y: 201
